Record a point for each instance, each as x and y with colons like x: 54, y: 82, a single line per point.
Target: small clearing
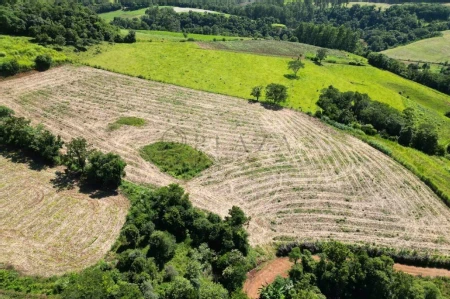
x: 44, y: 231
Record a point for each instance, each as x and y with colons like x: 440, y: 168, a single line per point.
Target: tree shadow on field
x: 96, y: 193
x: 252, y: 101
x: 17, y: 156
x: 271, y: 106
x: 64, y: 180
x: 291, y: 76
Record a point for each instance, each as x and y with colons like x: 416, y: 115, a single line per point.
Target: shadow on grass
x: 291, y: 76
x: 253, y: 101
x: 17, y: 156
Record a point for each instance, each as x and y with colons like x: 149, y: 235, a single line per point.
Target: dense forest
x: 61, y: 24
x: 341, y: 273
x: 374, y: 117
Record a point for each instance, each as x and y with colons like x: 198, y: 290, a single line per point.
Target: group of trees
x: 438, y: 81
x: 340, y: 273
x: 276, y: 93
x: 160, y: 225
x: 95, y: 168
x: 62, y: 23
x: 373, y: 117
x: 329, y: 36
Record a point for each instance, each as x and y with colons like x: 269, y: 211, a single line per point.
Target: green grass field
x: 436, y: 49
x: 153, y: 35
x: 109, y: 16
x: 126, y: 121
x: 177, y: 159
x: 24, y: 52
x: 235, y: 73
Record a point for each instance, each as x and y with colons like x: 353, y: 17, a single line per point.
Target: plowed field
x: 296, y: 177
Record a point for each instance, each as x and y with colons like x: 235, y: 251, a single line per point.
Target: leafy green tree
x: 295, y: 255
x: 130, y: 37
x: 78, y: 151
x: 257, y: 92
x: 426, y: 139
x: 105, y: 170
x: 237, y: 217
x: 46, y: 145
x: 43, y: 62
x: 9, y: 68
x: 321, y: 54
x: 131, y: 234
x: 276, y: 93
x: 162, y: 247
x: 180, y: 288
x: 211, y: 290
x: 296, y: 64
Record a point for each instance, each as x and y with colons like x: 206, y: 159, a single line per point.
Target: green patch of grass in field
x: 383, y: 6
x: 177, y: 159
x: 127, y: 121
x: 153, y: 35
x: 24, y: 51
x: 109, y: 16
x: 436, y: 49
x: 235, y: 73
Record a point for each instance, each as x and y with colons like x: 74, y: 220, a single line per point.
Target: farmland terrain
x: 46, y: 231
x: 296, y: 177
x: 435, y: 50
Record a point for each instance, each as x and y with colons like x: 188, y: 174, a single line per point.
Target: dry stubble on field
x: 296, y: 177
x: 46, y: 232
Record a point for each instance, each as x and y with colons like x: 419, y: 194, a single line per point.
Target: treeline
x: 95, y: 168
x: 210, y: 24
x: 64, y: 23
x: 372, y: 117
x: 342, y: 38
x: 404, y: 256
x: 341, y: 273
x: 167, y: 249
x: 439, y: 81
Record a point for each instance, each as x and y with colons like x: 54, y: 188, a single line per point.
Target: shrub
x: 130, y: 37
x: 43, y: 62
x: 9, y: 68
x: 105, y: 170
x: 369, y: 129
x: 5, y: 112
x: 447, y: 114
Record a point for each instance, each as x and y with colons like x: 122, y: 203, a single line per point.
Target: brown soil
x: 296, y: 177
x: 266, y: 274
x: 258, y: 278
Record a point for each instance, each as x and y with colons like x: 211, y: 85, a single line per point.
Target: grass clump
x: 126, y: 121
x: 177, y: 159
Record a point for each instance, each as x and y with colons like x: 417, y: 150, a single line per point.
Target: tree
x: 426, y: 139
x: 321, y: 54
x: 105, y: 170
x: 276, y: 93
x: 295, y: 255
x: 130, y: 37
x: 43, y: 62
x: 131, y: 234
x: 77, y: 153
x: 257, y: 92
x: 9, y: 68
x: 237, y: 217
x: 5, y: 112
x: 46, y: 145
x: 180, y: 288
x: 296, y: 64
x: 162, y: 247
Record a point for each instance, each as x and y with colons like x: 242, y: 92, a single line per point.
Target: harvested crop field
x: 296, y: 177
x: 46, y: 232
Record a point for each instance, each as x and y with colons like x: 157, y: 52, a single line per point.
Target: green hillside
x: 436, y: 49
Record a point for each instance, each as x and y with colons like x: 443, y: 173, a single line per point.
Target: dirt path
x: 259, y: 277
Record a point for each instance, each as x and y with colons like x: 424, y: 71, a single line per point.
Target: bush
x: 447, y: 114
x: 369, y: 129
x: 9, y: 68
x: 43, y: 62
x: 5, y: 112
x: 130, y: 37
x: 105, y: 170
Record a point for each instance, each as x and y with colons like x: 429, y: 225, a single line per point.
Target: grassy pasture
x: 377, y: 5
x: 436, y: 49
x: 153, y: 35
x: 21, y: 49
x: 178, y: 159
x: 109, y: 16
